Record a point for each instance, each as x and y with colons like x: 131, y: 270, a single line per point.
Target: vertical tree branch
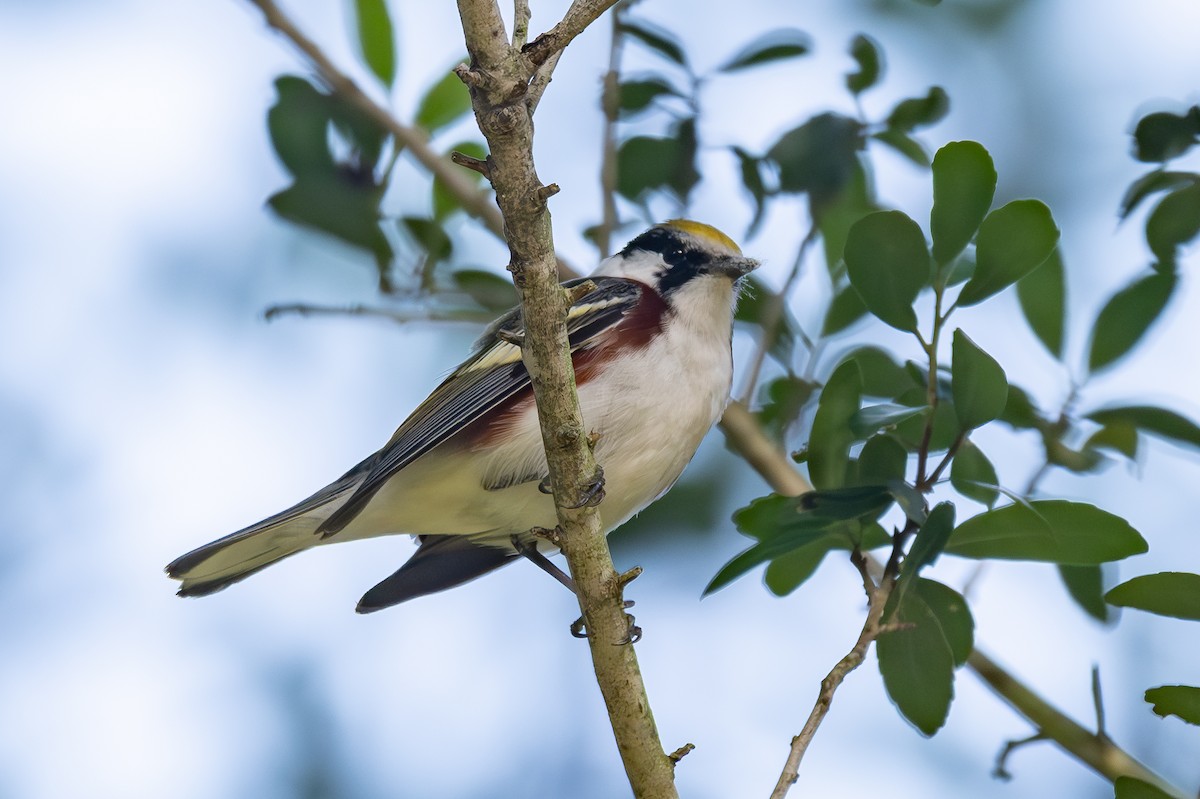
x: 499, y: 77
x: 610, y: 104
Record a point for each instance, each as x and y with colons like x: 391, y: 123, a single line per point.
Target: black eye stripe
x: 683, y: 261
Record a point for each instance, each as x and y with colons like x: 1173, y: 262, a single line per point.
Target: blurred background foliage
x: 148, y: 409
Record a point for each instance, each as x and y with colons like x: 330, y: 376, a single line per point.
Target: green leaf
x: 866, y: 53
x: 444, y: 202
x: 657, y: 39
x: 1154, y: 421
x: 888, y: 265
x: 1043, y: 297
x: 1162, y: 136
x: 917, y: 658
x: 376, y: 39
x: 964, y: 182
x: 1013, y: 241
x: 637, y: 95
x: 650, y: 163
x: 881, y: 376
x: 819, y: 157
x: 1048, y: 530
x: 830, y: 440
x: 1085, y: 584
x: 1173, y: 222
x: 1152, y: 183
x: 489, y: 290
x: 881, y: 460
x: 845, y: 309
x: 775, y: 45
x: 1176, y: 700
x: 789, y: 571
x: 904, y: 144
x: 1133, y: 788
x: 299, y: 126
x: 1166, y: 594
x: 784, y: 524
x: 931, y: 539
x: 872, y: 418
x: 444, y: 103
x: 919, y: 112
x: 1126, y: 317
x: 979, y: 385
x: 973, y: 475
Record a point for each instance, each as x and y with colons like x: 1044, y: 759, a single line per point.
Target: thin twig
x: 521, y: 17
x: 541, y: 79
x: 772, y: 318
x: 581, y: 14
x: 610, y: 104
x: 877, y: 599
x: 422, y: 313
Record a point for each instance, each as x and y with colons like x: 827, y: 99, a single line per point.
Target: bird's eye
x: 675, y: 256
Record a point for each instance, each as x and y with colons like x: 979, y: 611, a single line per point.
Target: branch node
x: 627, y: 577
x: 579, y: 291
x: 548, y: 191
x: 473, y: 78
x: 681, y: 753
x: 1001, y: 771
x: 551, y: 534
x: 482, y: 166
x: 514, y: 337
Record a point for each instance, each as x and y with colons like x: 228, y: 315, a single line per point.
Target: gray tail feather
x: 441, y: 562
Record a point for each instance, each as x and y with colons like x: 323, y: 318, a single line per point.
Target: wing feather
x: 492, y: 375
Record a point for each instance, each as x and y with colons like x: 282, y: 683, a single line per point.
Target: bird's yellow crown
x: 705, y: 232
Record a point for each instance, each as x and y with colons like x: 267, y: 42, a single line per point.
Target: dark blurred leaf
x: 819, y: 157
x: 774, y: 45
x: 931, y: 539
x: 1162, y: 136
x: 952, y: 614
x: 1085, y: 584
x: 844, y: 504
x: 1080, y: 461
x: 338, y: 207
x: 845, y: 309
x: 752, y: 309
x: 866, y: 53
x: 830, y: 440
x: 979, y: 385
x: 872, y: 418
x: 973, y: 475
x: 430, y: 237
x: 838, y: 214
x: 910, y: 500
x: 1126, y: 317
x: 788, y: 572
x: 1174, y: 594
x: 946, y: 427
x: 919, y: 112
x: 881, y: 460
x: 904, y: 144
x: 1048, y: 530
x: 1154, y: 421
x: 964, y: 182
x: 1173, y: 222
x: 1019, y: 411
x: 888, y: 265
x: 785, y: 397
x: 648, y: 163
x: 962, y: 268
x: 637, y: 95
x: 751, y: 170
x: 489, y: 290
x: 1012, y: 242
x: 1133, y: 788
x: 1176, y: 700
x: 1043, y: 297
x: 916, y: 658
x: 376, y: 39
x: 299, y: 127
x: 1152, y: 183
x: 444, y: 103
x: 657, y: 39
x: 1122, y: 438
x: 445, y: 203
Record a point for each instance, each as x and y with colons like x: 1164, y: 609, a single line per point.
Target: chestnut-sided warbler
x: 466, y: 472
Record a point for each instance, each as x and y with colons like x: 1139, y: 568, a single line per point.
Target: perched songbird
x: 466, y: 471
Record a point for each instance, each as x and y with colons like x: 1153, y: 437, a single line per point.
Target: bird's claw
x: 591, y: 495
x: 633, y: 633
